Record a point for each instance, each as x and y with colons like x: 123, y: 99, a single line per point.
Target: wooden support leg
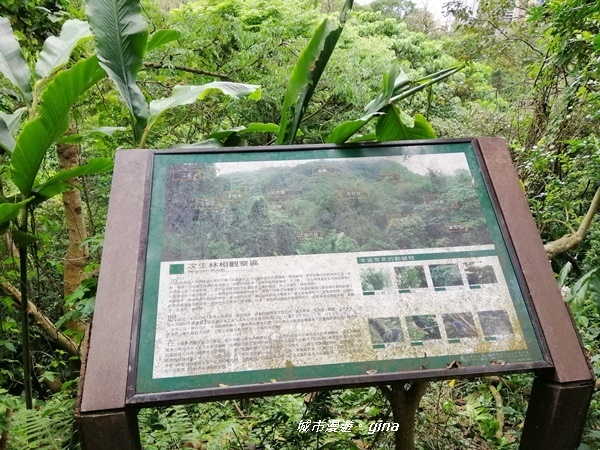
x: 114, y: 430
x: 556, y: 415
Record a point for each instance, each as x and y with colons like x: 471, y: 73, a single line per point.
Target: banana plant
x: 307, y: 73
x: 392, y: 123
x: 122, y: 40
x: 302, y: 83
x: 48, y: 95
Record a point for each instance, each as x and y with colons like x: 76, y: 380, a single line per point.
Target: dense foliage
x: 534, y: 82
x: 353, y: 208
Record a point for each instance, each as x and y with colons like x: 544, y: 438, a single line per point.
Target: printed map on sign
x: 325, y: 263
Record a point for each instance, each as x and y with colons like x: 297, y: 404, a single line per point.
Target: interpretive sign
x: 273, y: 266
x: 238, y: 272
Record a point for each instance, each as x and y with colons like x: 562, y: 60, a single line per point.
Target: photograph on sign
x: 279, y: 266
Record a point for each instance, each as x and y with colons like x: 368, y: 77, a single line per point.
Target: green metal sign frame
x: 527, y: 358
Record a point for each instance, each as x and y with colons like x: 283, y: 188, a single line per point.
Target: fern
x: 51, y: 427
x: 166, y: 428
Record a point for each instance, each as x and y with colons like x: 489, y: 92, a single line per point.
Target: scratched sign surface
x: 278, y: 266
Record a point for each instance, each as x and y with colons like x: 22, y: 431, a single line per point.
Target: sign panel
x: 293, y: 265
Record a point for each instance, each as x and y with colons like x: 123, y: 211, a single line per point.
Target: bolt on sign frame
x: 231, y: 273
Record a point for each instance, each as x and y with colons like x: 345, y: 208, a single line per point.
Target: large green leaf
x: 393, y: 80
x: 39, y: 134
x: 162, y: 37
x: 579, y: 290
x: 256, y: 127
x: 208, y: 143
x: 10, y: 211
x: 22, y: 239
x: 564, y: 273
x: 345, y: 130
x: 408, y: 89
x: 7, y: 142
x: 13, y: 121
x: 12, y: 63
x: 306, y: 74
x: 595, y: 288
x: 396, y: 86
x: 121, y: 37
x: 395, y: 126
x: 363, y: 138
x: 97, y: 133
x: 186, y: 95
x: 57, y: 184
x: 57, y: 50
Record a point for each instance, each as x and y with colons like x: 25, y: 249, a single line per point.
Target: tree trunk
x: 53, y: 386
x: 23, y: 294
x: 76, y: 259
x: 572, y: 240
x: 542, y: 107
x: 41, y: 320
x: 404, y: 399
x: 4, y: 436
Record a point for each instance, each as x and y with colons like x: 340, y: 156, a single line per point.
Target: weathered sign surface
x: 273, y: 266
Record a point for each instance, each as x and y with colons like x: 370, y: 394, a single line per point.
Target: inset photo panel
x: 459, y: 325
x: 445, y: 275
x: 385, y: 330
x: 423, y: 327
x: 375, y: 279
x: 480, y: 274
x: 495, y: 323
x: 411, y: 277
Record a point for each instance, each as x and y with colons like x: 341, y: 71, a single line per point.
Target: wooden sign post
x: 231, y: 273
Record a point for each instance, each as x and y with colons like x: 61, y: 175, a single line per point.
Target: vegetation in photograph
x: 445, y: 275
x: 353, y: 208
x: 411, y: 277
x: 478, y: 274
x: 423, y: 327
x: 459, y: 325
x: 385, y: 330
x: 495, y: 323
x: 375, y: 280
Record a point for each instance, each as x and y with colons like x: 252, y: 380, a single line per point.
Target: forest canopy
x: 345, y: 205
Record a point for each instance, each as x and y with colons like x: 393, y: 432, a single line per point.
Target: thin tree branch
x: 571, y: 240
x: 499, y: 30
x: 155, y: 65
x: 47, y: 326
x: 259, y: 58
x: 237, y: 408
x: 321, y: 107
